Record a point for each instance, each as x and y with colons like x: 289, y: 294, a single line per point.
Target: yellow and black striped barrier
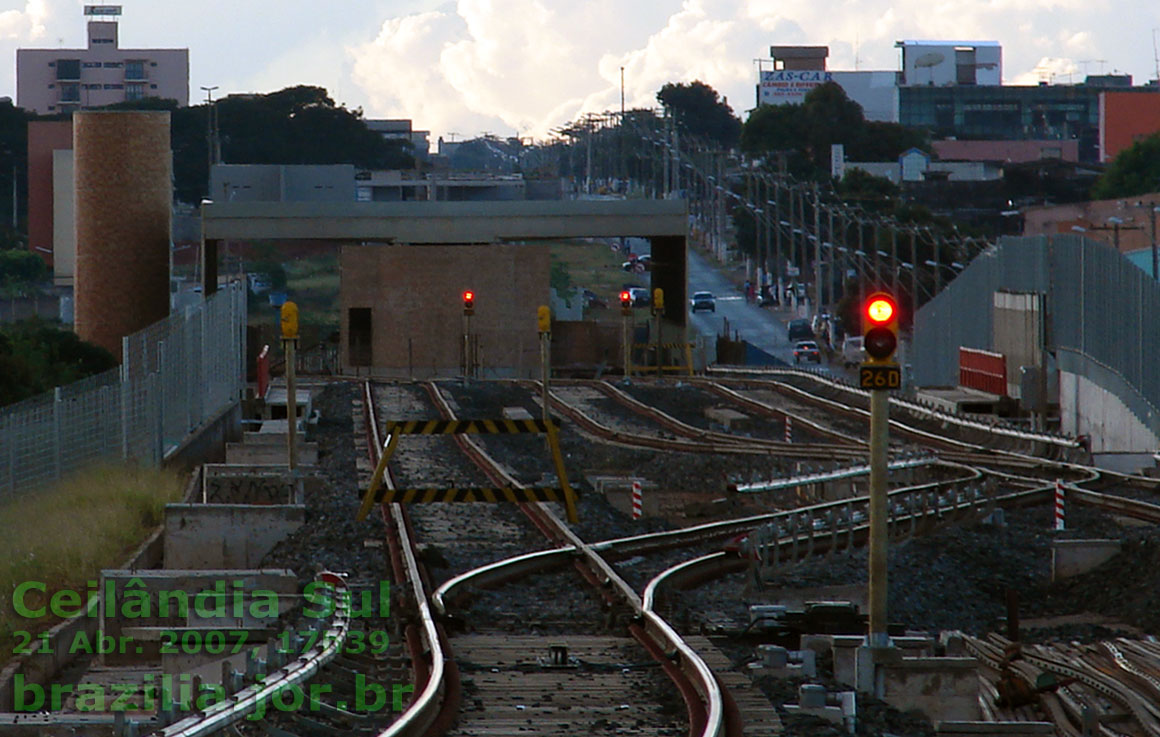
x: 376, y: 493
x: 492, y: 494
x: 467, y: 427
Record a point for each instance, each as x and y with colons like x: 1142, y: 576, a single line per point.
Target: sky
x: 525, y: 67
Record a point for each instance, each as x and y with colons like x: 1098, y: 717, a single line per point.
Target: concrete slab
x: 269, y: 454
x: 239, y: 535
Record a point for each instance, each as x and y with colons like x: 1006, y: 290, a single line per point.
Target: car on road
x: 703, y: 301
x: 852, y: 353
x: 640, y: 296
x: 806, y: 350
x: 639, y: 264
x: 800, y: 330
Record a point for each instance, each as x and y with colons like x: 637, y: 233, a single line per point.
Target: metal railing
x: 174, y: 376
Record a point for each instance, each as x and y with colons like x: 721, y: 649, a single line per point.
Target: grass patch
x: 596, y: 266
x: 63, y: 535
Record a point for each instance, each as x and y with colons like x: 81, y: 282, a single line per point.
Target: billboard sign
x: 103, y: 10
x: 781, y: 87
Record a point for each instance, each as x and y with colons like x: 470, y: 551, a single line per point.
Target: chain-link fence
x: 175, y: 375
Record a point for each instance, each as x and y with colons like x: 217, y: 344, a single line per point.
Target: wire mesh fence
x: 175, y: 375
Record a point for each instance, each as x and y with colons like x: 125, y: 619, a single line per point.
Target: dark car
x: 640, y: 297
x: 806, y: 350
x: 800, y: 330
x: 703, y: 301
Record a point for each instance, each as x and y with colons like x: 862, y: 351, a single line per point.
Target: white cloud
x: 532, y: 65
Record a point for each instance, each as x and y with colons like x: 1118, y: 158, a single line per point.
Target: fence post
x: 161, y: 403
x: 56, y: 450
x: 126, y: 372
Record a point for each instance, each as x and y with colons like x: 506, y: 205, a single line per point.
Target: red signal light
x: 625, y: 298
x: 880, y: 310
x: 468, y: 302
x: 468, y: 296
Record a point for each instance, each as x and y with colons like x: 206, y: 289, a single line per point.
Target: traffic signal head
x: 626, y: 302
x: 658, y: 300
x: 289, y: 320
x: 544, y: 319
x: 468, y: 302
x: 880, y: 323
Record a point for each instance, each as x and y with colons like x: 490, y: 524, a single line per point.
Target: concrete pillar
x: 124, y: 191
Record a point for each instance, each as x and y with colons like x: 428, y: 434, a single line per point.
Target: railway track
x: 498, y: 662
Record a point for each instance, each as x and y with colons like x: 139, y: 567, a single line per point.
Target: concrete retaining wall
x: 241, y: 534
x: 1086, y: 408
x: 250, y: 484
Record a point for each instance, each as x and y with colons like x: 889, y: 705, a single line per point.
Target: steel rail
x: 752, y: 447
x: 240, y: 705
x: 663, y: 638
x: 911, y: 406
x: 424, y: 709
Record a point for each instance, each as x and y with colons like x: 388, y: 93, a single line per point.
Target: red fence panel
x: 983, y: 370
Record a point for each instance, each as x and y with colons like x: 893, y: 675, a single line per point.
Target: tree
x: 297, y: 125
x: 1134, y: 171
x: 20, y: 270
x: 699, y: 110
x: 826, y: 117
x: 36, y: 355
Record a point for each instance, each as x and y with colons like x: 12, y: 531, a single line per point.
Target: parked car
x: 800, y: 330
x: 852, y: 353
x: 640, y: 297
x: 704, y: 301
x: 593, y: 301
x: 806, y: 350
x: 639, y: 264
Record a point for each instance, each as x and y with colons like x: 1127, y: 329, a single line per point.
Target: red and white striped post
x: 788, y: 429
x: 637, y: 501
x: 1059, y: 510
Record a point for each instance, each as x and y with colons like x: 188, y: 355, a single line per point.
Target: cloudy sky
x: 527, y: 66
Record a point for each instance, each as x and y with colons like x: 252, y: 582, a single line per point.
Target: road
x: 764, y: 327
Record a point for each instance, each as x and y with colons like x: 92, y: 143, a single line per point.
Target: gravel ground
x: 331, y: 539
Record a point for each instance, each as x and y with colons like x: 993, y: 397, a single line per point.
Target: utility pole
x: 817, y: 253
x: 1152, y: 212
x: 211, y: 139
x: 913, y: 270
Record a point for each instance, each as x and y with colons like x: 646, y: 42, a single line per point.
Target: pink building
x: 62, y: 80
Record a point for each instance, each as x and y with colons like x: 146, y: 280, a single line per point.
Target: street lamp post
x: 211, y: 143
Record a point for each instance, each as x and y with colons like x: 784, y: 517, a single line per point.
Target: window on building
x: 113, y: 65
x: 68, y: 68
x: 359, y: 335
x: 135, y: 70
x: 70, y: 92
x: 134, y: 90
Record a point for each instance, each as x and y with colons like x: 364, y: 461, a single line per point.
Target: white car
x: 852, y: 352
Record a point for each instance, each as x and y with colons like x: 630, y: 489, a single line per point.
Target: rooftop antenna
x: 1156, y: 52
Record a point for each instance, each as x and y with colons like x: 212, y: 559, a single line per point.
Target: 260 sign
x: 871, y: 376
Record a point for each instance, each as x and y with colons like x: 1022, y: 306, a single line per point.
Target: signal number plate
x: 871, y: 376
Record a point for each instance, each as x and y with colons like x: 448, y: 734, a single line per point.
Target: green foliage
x: 872, y: 192
x: 36, y: 356
x: 700, y: 110
x: 1135, y: 171
x: 560, y: 279
x: 805, y: 132
x: 20, y: 270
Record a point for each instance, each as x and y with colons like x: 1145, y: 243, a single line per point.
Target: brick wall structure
x: 123, y: 195
x: 414, y: 295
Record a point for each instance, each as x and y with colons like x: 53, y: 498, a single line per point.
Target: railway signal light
x: 289, y: 320
x: 880, y: 321
x: 626, y: 303
x: 468, y: 302
x: 658, y: 300
x: 544, y: 319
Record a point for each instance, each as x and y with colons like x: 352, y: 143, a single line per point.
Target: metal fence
x: 1101, y: 315
x: 174, y: 376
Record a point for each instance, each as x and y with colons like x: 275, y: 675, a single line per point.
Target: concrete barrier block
x: 1073, y: 557
x: 942, y: 688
